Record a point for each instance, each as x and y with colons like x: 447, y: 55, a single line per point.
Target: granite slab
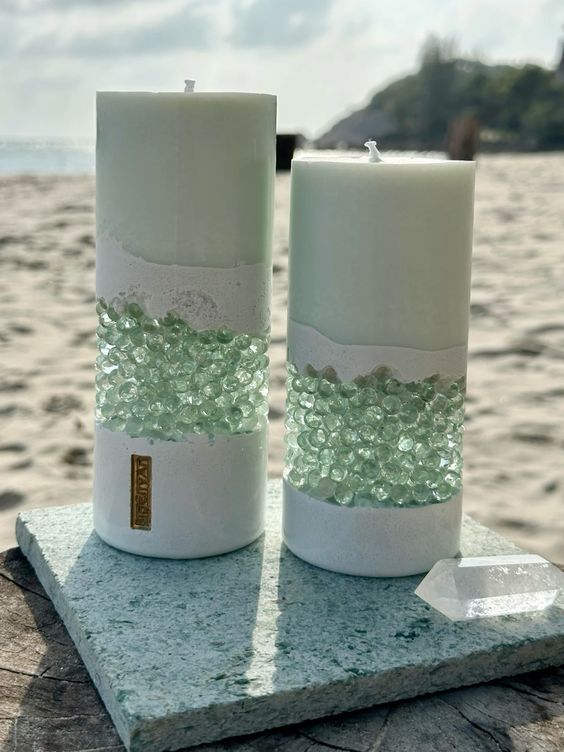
x: 184, y: 652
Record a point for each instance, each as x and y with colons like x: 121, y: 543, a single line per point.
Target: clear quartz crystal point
x: 475, y: 587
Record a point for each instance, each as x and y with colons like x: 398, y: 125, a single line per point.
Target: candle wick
x: 189, y: 85
x: 374, y: 155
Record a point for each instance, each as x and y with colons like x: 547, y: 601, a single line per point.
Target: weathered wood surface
x: 48, y: 703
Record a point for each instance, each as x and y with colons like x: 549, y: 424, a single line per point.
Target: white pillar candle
x: 184, y: 219
x: 380, y: 256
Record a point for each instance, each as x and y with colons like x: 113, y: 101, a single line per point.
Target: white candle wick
x: 189, y: 85
x: 374, y: 155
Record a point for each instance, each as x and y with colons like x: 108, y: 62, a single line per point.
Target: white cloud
x: 321, y: 57
x: 279, y: 23
x: 185, y: 27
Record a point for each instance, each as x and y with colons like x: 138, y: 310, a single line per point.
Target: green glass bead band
x: 374, y: 441
x: 161, y: 379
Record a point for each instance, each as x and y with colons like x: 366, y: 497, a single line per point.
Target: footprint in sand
x: 525, y: 347
x: 9, y: 499
x: 7, y: 410
x: 13, y: 385
x: 82, y: 337
x: 87, y: 239
x: 517, y: 524
x: 479, y: 309
x: 278, y: 380
x: 22, y: 465
x: 21, y: 329
x: 532, y: 437
x: 72, y: 208
x: 15, y: 446
x: 77, y: 456
x: 550, y: 487
x: 72, y: 252
x: 62, y: 403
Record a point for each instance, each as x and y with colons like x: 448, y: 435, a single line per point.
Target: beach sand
x: 514, y: 441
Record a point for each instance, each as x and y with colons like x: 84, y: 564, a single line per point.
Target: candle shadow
x: 157, y: 631
x: 57, y: 707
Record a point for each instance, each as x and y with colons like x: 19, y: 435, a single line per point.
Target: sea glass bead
x: 374, y: 434
x: 166, y: 379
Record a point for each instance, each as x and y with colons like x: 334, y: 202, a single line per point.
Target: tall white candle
x: 184, y: 220
x: 187, y: 178
x: 380, y: 253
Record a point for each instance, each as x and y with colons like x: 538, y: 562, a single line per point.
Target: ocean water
x: 46, y: 157
x: 78, y: 157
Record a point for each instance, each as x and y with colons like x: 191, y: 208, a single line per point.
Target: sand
x: 514, y: 443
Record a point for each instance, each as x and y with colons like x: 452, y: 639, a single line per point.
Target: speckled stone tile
x: 184, y: 652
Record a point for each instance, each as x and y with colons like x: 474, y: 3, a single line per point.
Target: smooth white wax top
x: 187, y: 178
x: 380, y: 251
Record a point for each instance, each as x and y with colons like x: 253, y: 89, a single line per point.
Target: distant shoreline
x: 69, y: 158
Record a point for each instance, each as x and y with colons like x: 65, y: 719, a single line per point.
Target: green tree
x: 524, y: 105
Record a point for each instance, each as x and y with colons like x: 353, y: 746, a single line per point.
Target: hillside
x: 520, y: 107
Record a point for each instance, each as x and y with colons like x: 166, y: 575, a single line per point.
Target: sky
x: 323, y: 58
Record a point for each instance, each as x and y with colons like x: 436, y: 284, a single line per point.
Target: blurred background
x: 462, y: 78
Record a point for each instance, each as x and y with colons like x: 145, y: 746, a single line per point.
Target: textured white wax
x: 187, y: 178
x: 380, y: 252
x: 208, y: 297
x: 184, y: 191
x: 306, y: 346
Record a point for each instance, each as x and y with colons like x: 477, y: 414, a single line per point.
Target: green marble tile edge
x: 31, y: 549
x: 319, y: 676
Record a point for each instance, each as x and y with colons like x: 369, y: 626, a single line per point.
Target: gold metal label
x: 141, y: 482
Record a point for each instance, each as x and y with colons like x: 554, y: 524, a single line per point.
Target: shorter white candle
x: 380, y: 250
x: 378, y: 307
